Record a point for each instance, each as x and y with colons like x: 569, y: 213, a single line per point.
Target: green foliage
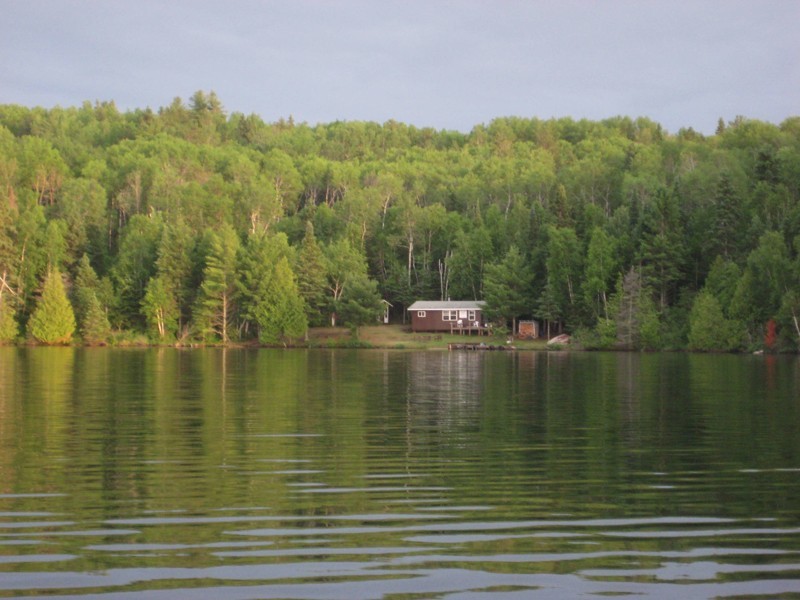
x: 94, y: 327
x: 175, y: 265
x: 506, y: 287
x: 722, y: 281
x: 256, y: 270
x: 637, y: 319
x: 85, y: 287
x: 135, y: 266
x: 280, y: 314
x: 564, y: 268
x: 425, y: 214
x: 160, y: 309
x: 343, y: 263
x: 661, y: 249
x: 709, y: 330
x: 312, y: 277
x: 360, y: 303
x: 8, y: 323
x: 216, y: 308
x: 763, y: 283
x: 600, y: 271
x: 53, y: 321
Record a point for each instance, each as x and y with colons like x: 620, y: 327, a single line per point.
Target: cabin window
x: 449, y: 315
x: 421, y: 314
x: 471, y: 316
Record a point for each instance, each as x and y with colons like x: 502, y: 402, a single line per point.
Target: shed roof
x: 448, y: 305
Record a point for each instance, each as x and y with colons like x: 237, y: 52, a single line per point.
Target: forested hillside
x: 193, y: 225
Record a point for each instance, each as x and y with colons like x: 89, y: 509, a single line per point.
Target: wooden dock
x: 481, y: 346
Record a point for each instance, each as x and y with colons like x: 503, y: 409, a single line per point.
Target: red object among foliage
x: 770, y: 336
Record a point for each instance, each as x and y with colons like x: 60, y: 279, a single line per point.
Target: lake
x: 240, y: 474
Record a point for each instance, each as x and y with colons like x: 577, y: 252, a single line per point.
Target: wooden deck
x: 469, y: 330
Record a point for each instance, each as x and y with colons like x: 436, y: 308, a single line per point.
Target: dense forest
x: 189, y: 225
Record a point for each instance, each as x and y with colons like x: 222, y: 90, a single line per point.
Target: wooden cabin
x: 457, y: 316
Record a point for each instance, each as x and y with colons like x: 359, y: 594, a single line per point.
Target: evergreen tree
x: 31, y: 258
x: 86, y: 286
x: 56, y: 243
x: 135, y: 266
x: 175, y: 266
x: 215, y: 311
x: 280, y: 314
x: 361, y: 303
x: 311, y: 277
x: 661, y: 248
x: 506, y: 288
x: 95, y: 328
x: 729, y: 220
x: 548, y: 309
x: 52, y: 321
x: 257, y: 262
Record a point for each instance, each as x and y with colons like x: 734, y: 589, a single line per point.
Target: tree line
x: 189, y: 224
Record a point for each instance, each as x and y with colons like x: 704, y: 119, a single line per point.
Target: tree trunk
x: 224, y: 318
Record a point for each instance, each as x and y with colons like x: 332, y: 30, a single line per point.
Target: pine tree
x: 95, y: 328
x: 86, y: 285
x: 215, y: 310
x: 52, y: 321
x: 728, y: 219
x: 256, y: 268
x: 311, y: 277
x: 175, y: 266
x: 505, y: 287
x: 361, y: 303
x: 661, y: 253
x: 548, y: 309
x: 281, y: 314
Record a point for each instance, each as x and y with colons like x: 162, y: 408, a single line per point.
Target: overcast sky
x: 443, y: 64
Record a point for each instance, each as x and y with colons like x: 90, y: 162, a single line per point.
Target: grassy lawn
x: 399, y: 336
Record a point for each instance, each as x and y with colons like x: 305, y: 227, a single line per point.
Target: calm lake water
x: 242, y: 474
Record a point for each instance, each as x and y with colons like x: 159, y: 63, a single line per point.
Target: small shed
x: 528, y: 330
x: 447, y: 315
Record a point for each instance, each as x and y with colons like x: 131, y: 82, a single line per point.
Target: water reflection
x: 311, y: 474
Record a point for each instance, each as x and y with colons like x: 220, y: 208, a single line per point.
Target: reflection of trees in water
x: 444, y: 390
x: 628, y: 391
x: 9, y: 411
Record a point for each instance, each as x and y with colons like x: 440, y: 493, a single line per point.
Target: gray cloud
x: 446, y: 64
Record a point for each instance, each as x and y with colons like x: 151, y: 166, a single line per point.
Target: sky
x: 446, y: 64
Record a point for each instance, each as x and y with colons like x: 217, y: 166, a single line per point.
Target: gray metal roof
x: 448, y: 305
